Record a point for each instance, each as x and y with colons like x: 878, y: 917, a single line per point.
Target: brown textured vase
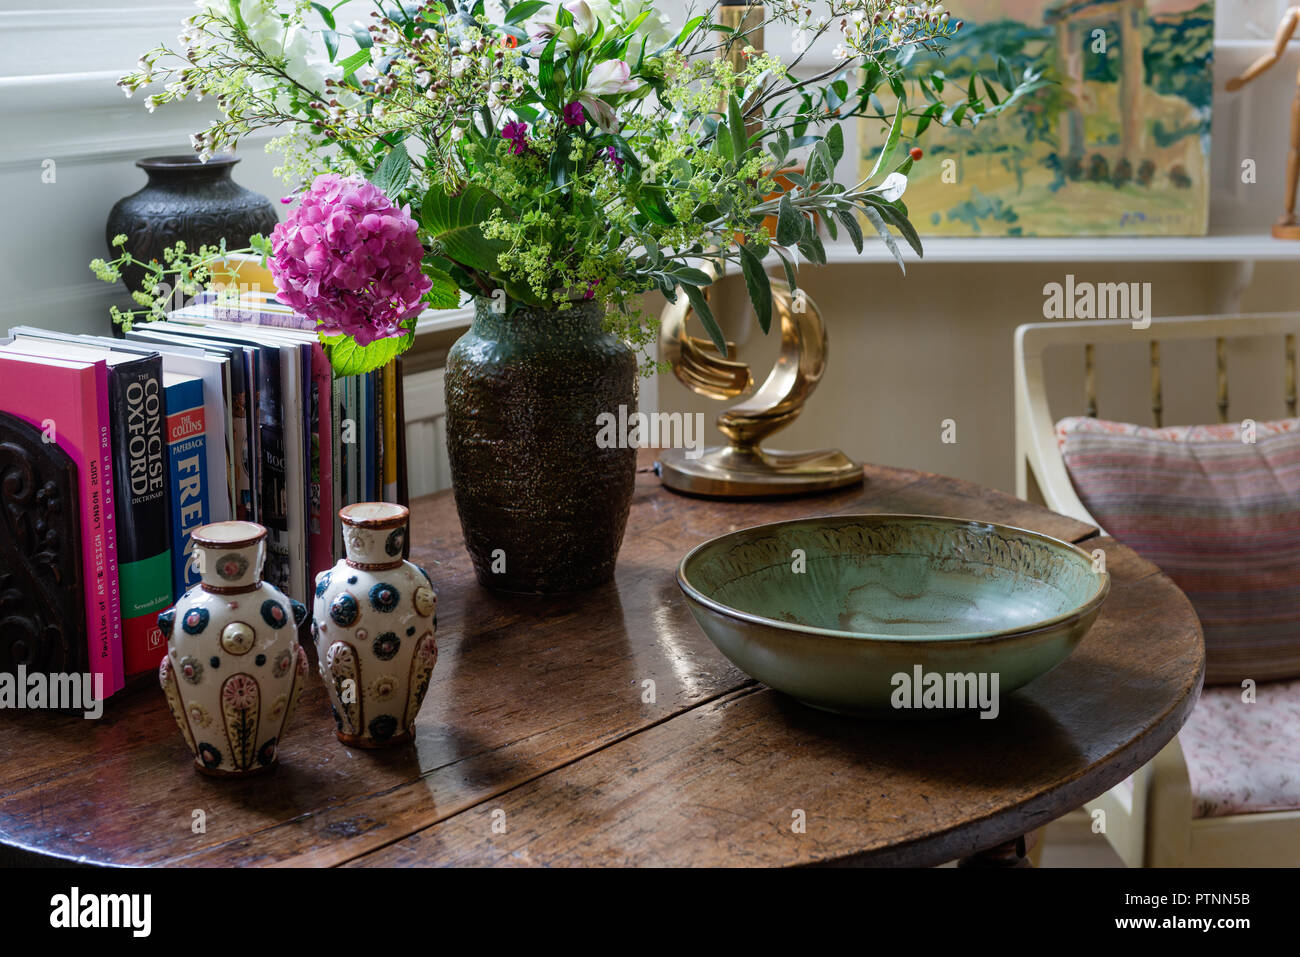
x: 542, y: 506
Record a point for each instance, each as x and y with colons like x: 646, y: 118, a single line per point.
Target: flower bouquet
x: 555, y: 162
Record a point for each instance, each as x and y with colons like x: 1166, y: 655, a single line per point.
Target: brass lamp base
x: 731, y: 472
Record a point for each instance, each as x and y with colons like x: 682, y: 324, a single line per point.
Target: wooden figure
x: 1287, y: 227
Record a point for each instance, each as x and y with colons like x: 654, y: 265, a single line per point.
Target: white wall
x: 59, y: 61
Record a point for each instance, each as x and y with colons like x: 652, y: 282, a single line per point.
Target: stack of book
x: 222, y: 411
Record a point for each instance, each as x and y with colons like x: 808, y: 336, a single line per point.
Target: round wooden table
x: 604, y: 729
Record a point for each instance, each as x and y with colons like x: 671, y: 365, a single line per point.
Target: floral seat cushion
x: 1244, y: 758
x: 1218, y: 509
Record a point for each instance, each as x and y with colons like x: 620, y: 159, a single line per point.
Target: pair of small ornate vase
x: 234, y: 668
x: 374, y: 622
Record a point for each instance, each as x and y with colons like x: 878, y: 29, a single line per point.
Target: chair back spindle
x: 1290, y: 374
x: 1090, y: 380
x: 1157, y: 396
x: 1221, y: 363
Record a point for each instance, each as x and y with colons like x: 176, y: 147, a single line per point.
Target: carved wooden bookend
x: 42, y: 617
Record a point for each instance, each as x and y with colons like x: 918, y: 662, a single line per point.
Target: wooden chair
x: 1149, y: 820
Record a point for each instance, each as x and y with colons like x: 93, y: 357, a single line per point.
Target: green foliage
x: 348, y: 358
x: 564, y: 155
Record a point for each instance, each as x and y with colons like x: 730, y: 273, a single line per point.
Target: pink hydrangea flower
x: 350, y: 259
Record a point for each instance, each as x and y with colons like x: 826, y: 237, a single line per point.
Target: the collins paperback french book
x: 69, y: 401
x: 187, y: 458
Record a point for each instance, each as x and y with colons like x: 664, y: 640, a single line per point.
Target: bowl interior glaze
x: 893, y: 576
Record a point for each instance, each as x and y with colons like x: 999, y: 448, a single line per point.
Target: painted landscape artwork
x: 1119, y: 144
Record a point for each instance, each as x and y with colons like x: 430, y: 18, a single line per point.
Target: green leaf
x: 926, y: 117
x: 828, y: 220
x: 701, y: 307
x: 630, y: 28
x: 688, y: 29
x: 723, y: 142
x: 897, y: 218
x: 522, y: 11
x: 812, y: 248
x: 873, y: 217
x: 546, y: 66
x: 354, y: 62
x: 652, y: 204
x: 759, y: 286
x: 791, y: 275
x: 331, y: 43
x: 891, y: 143
x: 326, y: 14
x: 394, y: 172
x: 361, y: 35
x: 851, y: 227
x: 444, y: 293
x: 788, y: 226
x: 736, y: 122
x: 558, y: 167
x: 260, y: 245
x: 835, y: 143
x: 688, y: 275
x: 347, y: 358
x: 820, y: 166
x: 455, y: 222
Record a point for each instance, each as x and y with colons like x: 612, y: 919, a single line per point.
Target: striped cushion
x: 1219, y: 515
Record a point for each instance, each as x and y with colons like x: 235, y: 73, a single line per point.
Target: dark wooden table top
x: 537, y: 744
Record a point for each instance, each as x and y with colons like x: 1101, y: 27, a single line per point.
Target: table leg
x: 1007, y: 854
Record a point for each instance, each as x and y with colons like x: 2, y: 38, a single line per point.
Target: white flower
x: 892, y: 188
x: 799, y: 42
x: 612, y: 76
x: 584, y: 21
x: 600, y: 113
x: 657, y: 28
x: 457, y: 134
x: 840, y: 52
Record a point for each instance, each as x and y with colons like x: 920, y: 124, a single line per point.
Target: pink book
x: 72, y: 398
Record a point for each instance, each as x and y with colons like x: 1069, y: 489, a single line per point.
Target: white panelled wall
x: 427, y: 469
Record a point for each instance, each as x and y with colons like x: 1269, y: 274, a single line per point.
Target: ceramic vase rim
x: 179, y: 161
x: 202, y: 535
x: 401, y: 515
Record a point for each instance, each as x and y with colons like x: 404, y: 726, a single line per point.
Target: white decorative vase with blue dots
x: 234, y: 668
x: 373, y: 622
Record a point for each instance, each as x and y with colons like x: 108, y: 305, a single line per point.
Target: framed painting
x: 1119, y: 144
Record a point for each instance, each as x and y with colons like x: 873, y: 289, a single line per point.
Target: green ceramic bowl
x: 909, y: 615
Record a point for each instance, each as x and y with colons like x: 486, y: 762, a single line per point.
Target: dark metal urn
x: 186, y: 199
x: 543, y: 500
